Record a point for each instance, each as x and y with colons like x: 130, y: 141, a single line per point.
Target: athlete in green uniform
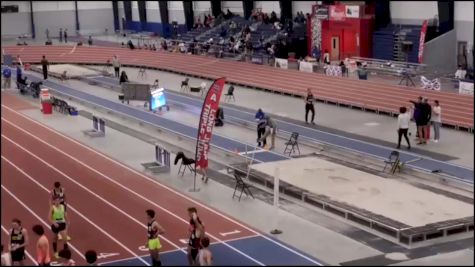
x: 153, y: 243
x: 57, y: 216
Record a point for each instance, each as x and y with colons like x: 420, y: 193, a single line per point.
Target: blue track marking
x: 425, y: 164
x: 258, y: 248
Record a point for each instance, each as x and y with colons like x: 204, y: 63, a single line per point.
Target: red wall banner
x: 205, y: 128
x: 422, y: 40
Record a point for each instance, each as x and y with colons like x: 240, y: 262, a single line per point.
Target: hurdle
x: 98, y: 128
x: 161, y: 163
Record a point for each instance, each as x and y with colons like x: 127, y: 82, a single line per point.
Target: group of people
x: 20, y: 239
x: 207, y: 22
x: 424, y: 116
x: 62, y: 34
x: 265, y: 127
x: 198, y: 252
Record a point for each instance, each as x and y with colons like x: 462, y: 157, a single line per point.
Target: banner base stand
x: 194, y: 190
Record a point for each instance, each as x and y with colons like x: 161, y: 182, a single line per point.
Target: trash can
x: 46, y: 101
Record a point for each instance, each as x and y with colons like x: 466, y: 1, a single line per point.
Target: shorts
x: 61, y: 227
x: 421, y: 122
x: 45, y: 264
x: 194, y: 253
x: 18, y: 255
x: 154, y: 244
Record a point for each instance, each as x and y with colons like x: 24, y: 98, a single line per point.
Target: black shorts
x: 45, y: 264
x: 61, y: 227
x: 18, y: 255
x: 421, y: 122
x: 194, y: 253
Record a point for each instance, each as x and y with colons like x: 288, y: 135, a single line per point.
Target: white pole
x: 276, y: 187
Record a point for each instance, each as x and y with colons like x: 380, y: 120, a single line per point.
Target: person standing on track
x: 196, y: 231
x: 58, y: 192
x: 116, y: 65
x: 65, y: 255
x: 42, y: 246
x: 309, y: 106
x: 45, y: 66
x: 18, y: 242
x: 57, y: 215
x: 6, y: 258
x: 153, y: 242
x: 205, y: 257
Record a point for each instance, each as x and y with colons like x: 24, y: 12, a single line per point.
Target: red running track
x: 457, y: 109
x: 107, y: 200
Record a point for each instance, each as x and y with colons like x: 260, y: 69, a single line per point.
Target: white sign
x: 282, y: 63
x: 352, y: 11
x: 305, y: 66
x: 465, y: 88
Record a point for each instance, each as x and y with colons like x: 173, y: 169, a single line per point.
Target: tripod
x: 406, y: 75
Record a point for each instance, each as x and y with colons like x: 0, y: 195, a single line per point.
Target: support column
x: 142, y: 14
x: 127, y: 13
x: 33, y: 32
x: 189, y: 16
x: 285, y: 10
x: 216, y: 8
x: 247, y: 7
x: 115, y: 10
x: 163, y: 6
x: 77, y: 16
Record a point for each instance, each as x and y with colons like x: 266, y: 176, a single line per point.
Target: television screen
x: 158, y: 99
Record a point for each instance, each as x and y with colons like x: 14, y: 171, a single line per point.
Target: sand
x: 393, y: 199
x: 72, y: 70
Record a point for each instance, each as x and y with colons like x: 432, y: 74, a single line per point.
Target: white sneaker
x: 436, y: 141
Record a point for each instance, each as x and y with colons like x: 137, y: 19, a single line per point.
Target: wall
x: 54, y: 15
x: 233, y: 6
x: 440, y: 53
x: 305, y: 6
x: 153, y: 12
x: 412, y: 12
x: 201, y: 8
x: 175, y: 12
x: 96, y: 16
x: 16, y: 23
x: 464, y: 20
x: 268, y: 6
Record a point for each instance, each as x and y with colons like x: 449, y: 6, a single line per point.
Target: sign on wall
x: 352, y: 11
x: 465, y: 88
x: 337, y: 12
x: 305, y: 66
x: 321, y: 12
x: 281, y: 63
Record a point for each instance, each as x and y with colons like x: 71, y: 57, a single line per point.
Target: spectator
x: 271, y: 129
x: 130, y: 45
x: 45, y: 67
x: 316, y: 53
x: 164, y: 45
x: 436, y: 120
x: 89, y: 41
x: 273, y: 17
x: 182, y: 47
x: 205, y: 257
x: 259, y: 115
x: 460, y: 73
x: 427, y: 114
x: 91, y: 257
x: 416, y: 115
x: 47, y: 34
x: 223, y: 32
x: 6, y: 258
x: 261, y: 129
x: 229, y: 14
x: 116, y: 66
x: 7, y: 78
x: 65, y: 256
x: 60, y: 35
x: 326, y: 57
x: 65, y: 35
x: 123, y: 78
x: 205, y: 21
x: 344, y: 70
x: 309, y: 106
x: 403, y: 126
x: 219, y: 120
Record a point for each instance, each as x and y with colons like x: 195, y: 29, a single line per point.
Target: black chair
x: 393, y: 161
x: 184, y: 85
x: 292, y: 144
x: 230, y: 94
x: 186, y: 163
x: 241, y: 185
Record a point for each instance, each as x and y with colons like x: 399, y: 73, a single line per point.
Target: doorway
x: 462, y: 54
x: 335, y: 51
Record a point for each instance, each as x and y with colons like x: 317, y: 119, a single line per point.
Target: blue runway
x: 314, y: 135
x: 257, y: 249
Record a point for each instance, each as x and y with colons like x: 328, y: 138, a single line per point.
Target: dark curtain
x: 33, y: 34
x: 128, y: 11
x: 247, y: 6
x: 77, y: 14
x: 115, y: 10
x: 166, y: 32
x: 285, y: 10
x: 142, y: 12
x: 446, y: 16
x: 216, y: 8
x: 189, y: 17
x: 382, y: 14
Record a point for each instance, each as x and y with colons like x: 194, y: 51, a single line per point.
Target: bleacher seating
x: 387, y: 42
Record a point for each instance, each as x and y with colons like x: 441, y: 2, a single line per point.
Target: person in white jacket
x: 436, y: 120
x: 403, y: 126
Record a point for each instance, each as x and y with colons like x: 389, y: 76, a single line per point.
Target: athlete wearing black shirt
x: 18, y: 242
x: 309, y: 105
x: 196, y: 231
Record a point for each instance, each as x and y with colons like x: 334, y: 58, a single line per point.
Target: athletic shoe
x: 436, y: 141
x: 56, y: 255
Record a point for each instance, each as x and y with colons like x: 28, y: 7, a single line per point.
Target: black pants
x: 260, y: 132
x: 45, y: 73
x: 309, y: 107
x: 116, y: 69
x: 400, y: 133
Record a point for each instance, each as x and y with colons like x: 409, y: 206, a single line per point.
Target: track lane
x: 84, y: 235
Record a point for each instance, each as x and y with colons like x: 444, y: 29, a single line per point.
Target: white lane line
x: 26, y: 252
x: 76, y: 211
x: 74, y: 49
x: 38, y: 218
x: 159, y: 184
x: 115, y: 182
x: 80, y: 185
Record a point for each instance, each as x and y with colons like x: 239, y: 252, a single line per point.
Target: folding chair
x: 230, y: 94
x: 240, y: 184
x: 292, y: 144
x: 392, y: 160
x: 185, y: 86
x: 185, y: 163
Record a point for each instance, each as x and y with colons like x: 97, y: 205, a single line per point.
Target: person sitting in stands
x: 130, y: 45
x: 460, y: 73
x: 123, y: 78
x: 89, y: 41
x: 154, y: 48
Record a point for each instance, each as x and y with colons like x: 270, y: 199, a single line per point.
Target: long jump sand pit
x: 72, y: 70
x: 390, y: 198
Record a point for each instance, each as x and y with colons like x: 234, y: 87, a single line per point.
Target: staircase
x: 387, y: 42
